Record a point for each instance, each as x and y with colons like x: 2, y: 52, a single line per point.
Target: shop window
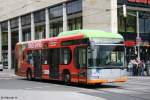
x: 80, y: 57
x: 74, y: 7
x: 66, y: 56
x: 56, y: 12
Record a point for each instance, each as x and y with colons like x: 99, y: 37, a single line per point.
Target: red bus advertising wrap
x: 80, y: 56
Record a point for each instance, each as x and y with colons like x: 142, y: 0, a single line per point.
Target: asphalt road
x: 137, y: 88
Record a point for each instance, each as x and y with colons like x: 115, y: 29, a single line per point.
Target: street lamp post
x: 138, y: 39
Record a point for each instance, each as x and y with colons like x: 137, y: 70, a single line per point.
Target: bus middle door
x: 37, y: 64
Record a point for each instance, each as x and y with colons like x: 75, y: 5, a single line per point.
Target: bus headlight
x: 93, y: 73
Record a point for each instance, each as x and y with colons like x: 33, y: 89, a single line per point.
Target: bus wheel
x: 66, y: 78
x: 29, y: 75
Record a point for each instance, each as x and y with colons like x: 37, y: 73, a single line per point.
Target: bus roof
x: 84, y: 33
x: 91, y: 34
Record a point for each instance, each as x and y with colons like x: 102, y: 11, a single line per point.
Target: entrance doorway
x: 14, y: 40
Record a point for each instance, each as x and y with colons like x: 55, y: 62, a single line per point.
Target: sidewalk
x: 139, y: 77
x: 7, y: 73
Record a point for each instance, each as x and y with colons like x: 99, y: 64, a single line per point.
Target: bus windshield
x: 106, y: 56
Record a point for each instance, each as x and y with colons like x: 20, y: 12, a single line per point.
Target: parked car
x: 1, y: 66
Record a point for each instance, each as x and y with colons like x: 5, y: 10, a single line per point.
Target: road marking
x: 138, y: 83
x: 121, y: 91
x: 5, y: 78
x: 28, y: 88
x: 38, y: 87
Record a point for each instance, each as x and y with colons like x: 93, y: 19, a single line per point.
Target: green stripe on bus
x: 91, y: 34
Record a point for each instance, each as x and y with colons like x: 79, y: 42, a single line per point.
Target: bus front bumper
x: 116, y: 80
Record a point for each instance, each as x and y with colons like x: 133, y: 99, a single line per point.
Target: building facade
x: 25, y: 20
x: 128, y: 27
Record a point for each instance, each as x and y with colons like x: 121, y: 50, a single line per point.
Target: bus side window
x: 30, y: 57
x: 66, y: 56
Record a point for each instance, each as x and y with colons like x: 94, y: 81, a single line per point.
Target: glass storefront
x: 127, y: 27
x: 4, y: 27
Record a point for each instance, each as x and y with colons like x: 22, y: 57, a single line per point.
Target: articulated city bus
x: 80, y: 56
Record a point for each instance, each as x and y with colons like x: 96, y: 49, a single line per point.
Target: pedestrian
x: 130, y: 67
x: 141, y: 68
x: 135, y: 66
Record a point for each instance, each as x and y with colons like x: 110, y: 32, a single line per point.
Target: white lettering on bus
x: 34, y: 45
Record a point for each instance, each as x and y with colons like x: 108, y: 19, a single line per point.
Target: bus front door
x: 54, y: 55
x: 81, y: 63
x: 37, y: 64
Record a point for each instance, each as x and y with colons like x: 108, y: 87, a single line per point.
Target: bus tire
x: 66, y: 78
x: 29, y: 74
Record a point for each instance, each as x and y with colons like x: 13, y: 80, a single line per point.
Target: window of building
x: 80, y: 57
x: 75, y: 23
x: 39, y: 16
x: 40, y: 32
x: 4, y: 38
x: 66, y: 56
x: 4, y: 26
x: 4, y: 29
x: 144, y: 22
x: 74, y: 6
x: 130, y: 22
x: 26, y: 20
x: 56, y: 28
x: 120, y: 1
x: 56, y: 11
x: 14, y: 23
x: 26, y: 34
